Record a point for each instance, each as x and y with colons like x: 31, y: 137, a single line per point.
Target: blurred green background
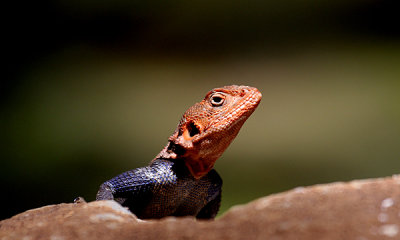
x: 94, y: 88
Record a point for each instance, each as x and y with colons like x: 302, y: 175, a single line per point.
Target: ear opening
x: 192, y: 129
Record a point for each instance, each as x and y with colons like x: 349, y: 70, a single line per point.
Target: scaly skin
x: 181, y: 180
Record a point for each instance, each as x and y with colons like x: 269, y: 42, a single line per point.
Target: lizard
x: 180, y: 180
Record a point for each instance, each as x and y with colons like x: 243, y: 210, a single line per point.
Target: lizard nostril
x: 243, y: 92
x: 193, y: 129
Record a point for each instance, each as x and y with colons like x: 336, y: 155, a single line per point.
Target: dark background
x: 94, y: 88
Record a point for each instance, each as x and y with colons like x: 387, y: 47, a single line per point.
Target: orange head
x: 207, y: 128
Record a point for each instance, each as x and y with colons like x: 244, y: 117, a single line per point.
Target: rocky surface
x: 358, y: 210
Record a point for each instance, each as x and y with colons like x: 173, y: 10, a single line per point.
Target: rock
x: 359, y: 210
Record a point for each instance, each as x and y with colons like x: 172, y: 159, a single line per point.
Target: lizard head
x: 207, y: 128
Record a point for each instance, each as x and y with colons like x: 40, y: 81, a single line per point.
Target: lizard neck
x: 171, y: 152
x: 198, y: 157
x: 197, y: 164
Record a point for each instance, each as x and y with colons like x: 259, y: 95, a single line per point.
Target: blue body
x: 165, y: 188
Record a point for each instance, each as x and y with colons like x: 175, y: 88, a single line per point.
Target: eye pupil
x: 217, y: 100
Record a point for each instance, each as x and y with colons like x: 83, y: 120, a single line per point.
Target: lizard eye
x: 217, y: 99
